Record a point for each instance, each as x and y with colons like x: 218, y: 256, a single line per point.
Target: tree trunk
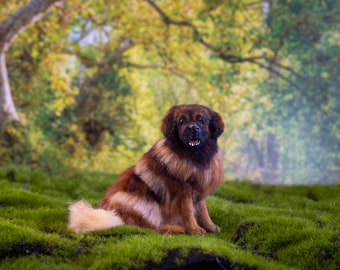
x: 258, y: 153
x: 267, y: 157
x: 10, y: 28
x: 7, y: 109
x: 270, y: 173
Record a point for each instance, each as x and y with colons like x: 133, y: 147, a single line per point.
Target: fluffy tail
x: 84, y: 218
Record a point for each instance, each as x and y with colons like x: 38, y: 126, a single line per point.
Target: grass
x: 263, y: 227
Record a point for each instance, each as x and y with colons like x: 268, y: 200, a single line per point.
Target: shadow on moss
x: 22, y: 248
x: 195, y: 259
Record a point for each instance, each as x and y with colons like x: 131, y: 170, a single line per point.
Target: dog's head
x: 192, y: 124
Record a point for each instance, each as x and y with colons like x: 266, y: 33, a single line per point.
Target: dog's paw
x: 171, y: 229
x: 212, y: 228
x: 196, y: 230
x: 216, y: 229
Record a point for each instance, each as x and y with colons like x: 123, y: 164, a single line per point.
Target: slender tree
x: 10, y: 28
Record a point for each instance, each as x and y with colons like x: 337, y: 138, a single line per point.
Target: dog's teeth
x: 194, y: 143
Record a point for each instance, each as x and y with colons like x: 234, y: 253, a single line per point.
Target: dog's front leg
x: 203, y: 217
x: 187, y: 214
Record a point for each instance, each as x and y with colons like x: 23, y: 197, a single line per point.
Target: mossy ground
x: 263, y: 227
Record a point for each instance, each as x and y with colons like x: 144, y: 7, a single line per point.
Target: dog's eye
x: 201, y: 120
x: 181, y: 121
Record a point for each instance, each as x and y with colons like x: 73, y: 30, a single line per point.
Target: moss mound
x: 263, y: 227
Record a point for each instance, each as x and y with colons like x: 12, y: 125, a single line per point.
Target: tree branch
x: 14, y: 24
x: 164, y: 68
x: 139, y: 66
x: 123, y: 46
x: 233, y: 59
x: 10, y: 28
x: 166, y: 19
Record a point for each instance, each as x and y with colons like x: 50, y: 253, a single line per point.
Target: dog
x: 166, y: 189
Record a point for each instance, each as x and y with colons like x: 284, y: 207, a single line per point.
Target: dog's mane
x: 201, y: 157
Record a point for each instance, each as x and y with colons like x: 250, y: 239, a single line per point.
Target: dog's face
x: 192, y: 124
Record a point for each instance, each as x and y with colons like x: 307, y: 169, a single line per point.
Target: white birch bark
x: 10, y: 28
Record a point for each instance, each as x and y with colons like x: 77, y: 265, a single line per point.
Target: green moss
x: 263, y: 227
x: 18, y: 241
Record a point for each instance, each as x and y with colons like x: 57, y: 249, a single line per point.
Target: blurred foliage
x: 91, y: 82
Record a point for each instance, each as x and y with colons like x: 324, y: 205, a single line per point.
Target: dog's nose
x: 194, y: 128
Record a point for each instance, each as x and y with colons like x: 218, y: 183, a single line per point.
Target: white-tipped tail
x: 84, y: 218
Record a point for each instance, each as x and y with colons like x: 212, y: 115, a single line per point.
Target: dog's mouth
x: 194, y: 142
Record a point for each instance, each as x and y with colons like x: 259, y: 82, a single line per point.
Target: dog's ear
x: 216, y: 124
x: 168, y: 126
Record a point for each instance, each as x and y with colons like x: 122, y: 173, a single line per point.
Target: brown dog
x: 167, y: 188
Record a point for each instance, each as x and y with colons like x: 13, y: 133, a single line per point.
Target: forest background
x: 91, y: 81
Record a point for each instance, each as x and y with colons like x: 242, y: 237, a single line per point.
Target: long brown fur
x: 167, y: 188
